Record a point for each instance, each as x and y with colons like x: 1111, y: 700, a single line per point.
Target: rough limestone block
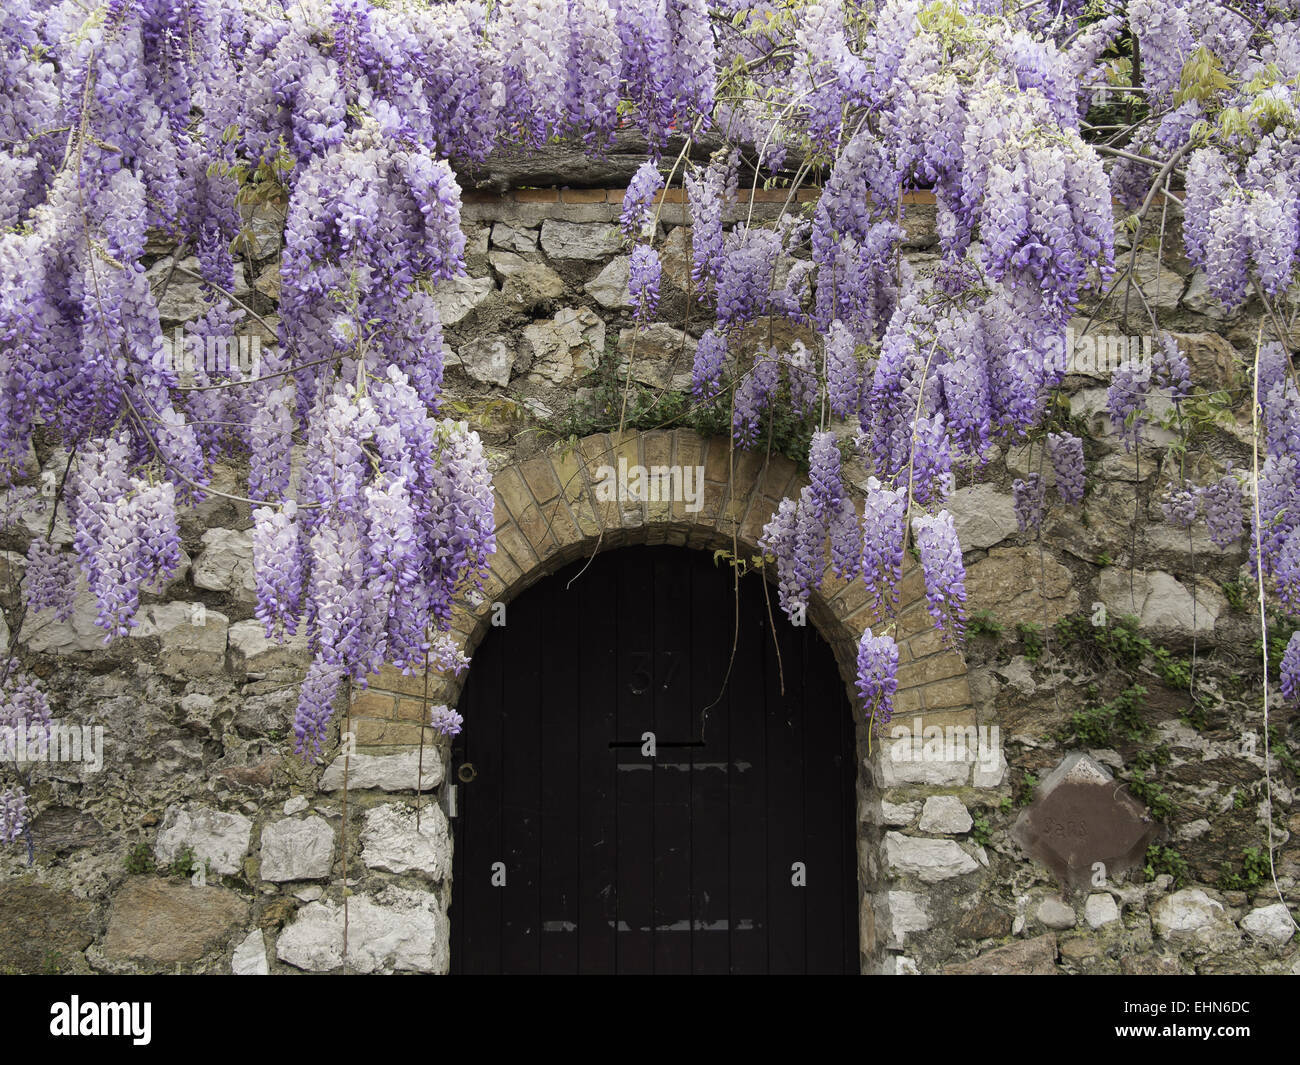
x: 216, y: 836
x: 297, y: 850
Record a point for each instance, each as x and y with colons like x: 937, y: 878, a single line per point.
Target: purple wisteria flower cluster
x: 1277, y: 530
x: 356, y: 108
x: 877, y: 678
x: 884, y: 527
x: 24, y: 709
x: 1180, y: 507
x: 1065, y: 450
x: 638, y: 200
x: 126, y: 531
x: 1028, y: 496
x: 1222, y: 503
x: 51, y: 579
x: 1170, y: 369
x: 1126, y: 400
x: 945, y: 575
x: 445, y: 721
x: 13, y: 814
x: 644, y: 272
x: 277, y: 567
x: 1291, y: 670
x: 399, y: 522
x: 23, y: 703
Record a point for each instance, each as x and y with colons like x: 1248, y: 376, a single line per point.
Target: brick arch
x: 547, y: 514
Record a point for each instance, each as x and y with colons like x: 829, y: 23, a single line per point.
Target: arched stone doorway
x: 549, y: 514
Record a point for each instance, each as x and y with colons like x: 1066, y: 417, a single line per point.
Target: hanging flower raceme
x: 804, y: 551
x: 896, y: 396
x: 534, y: 38
x: 339, y: 597
x: 1286, y: 573
x: 50, y: 582
x: 854, y: 238
x: 843, y: 375
x: 644, y: 273
x: 1222, y: 504
x: 883, y: 532
x: 1278, y: 506
x: 638, y: 200
x: 462, y: 523
x: 966, y: 402
x: 593, y: 71
x: 1242, y: 206
x: 1065, y: 450
x: 744, y: 283
x: 1169, y: 368
x: 1085, y: 50
x: 445, y: 655
x: 277, y: 568
x: 315, y: 708
x: 710, y: 362
x: 945, y: 575
x: 668, y: 63
x: 1126, y: 399
x: 801, y: 378
x: 845, y: 532
x: 778, y: 542
x: 1166, y: 35
x: 1281, y: 414
x: 270, y: 425
x: 13, y: 814
x: 23, y: 704
x: 1291, y: 670
x: 709, y: 194
x: 827, y: 488
x: 754, y: 395
x: 1180, y: 507
x: 839, y: 76
x: 125, y: 531
x: 445, y: 721
x: 877, y: 679
x: 1028, y: 498
x: 24, y: 724
x: 932, y: 478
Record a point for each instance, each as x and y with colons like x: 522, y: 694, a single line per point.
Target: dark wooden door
x: 576, y: 852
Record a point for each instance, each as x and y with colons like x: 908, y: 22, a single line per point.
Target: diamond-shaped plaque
x: 1082, y: 816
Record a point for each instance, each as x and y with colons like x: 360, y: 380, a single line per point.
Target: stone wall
x: 196, y: 703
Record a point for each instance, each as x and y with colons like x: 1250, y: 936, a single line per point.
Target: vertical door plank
x: 747, y: 788
x: 673, y: 646
x: 711, y: 611
x: 596, y: 601
x: 558, y: 755
x: 635, y: 772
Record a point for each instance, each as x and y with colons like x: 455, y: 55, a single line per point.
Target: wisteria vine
x: 137, y: 120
